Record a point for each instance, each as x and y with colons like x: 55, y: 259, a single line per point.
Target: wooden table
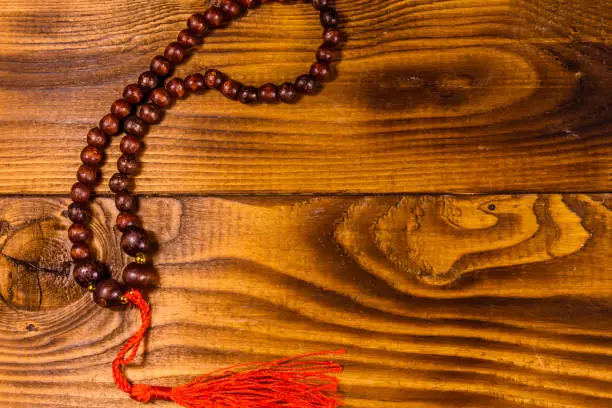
x: 442, y: 209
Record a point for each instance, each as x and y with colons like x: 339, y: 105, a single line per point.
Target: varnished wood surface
x: 514, y: 311
x: 430, y: 96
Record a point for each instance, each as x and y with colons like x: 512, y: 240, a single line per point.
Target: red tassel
x: 292, y: 382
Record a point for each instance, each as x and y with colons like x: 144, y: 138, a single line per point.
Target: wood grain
x: 430, y: 96
x: 515, y: 311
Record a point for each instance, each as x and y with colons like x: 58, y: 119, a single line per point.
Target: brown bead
x: 135, y: 240
x: 176, y: 87
x: 149, y: 113
x: 133, y: 125
x: 119, y: 183
x: 331, y: 37
x: 79, y: 212
x: 80, y: 251
x: 121, y: 108
x: 108, y: 293
x: 96, y: 138
x: 174, y: 52
x: 187, y: 39
x: 306, y: 84
x: 230, y: 88
x: 133, y: 93
x: 110, y: 124
x: 287, y: 93
x: 249, y: 3
x: 130, y: 144
x: 329, y: 17
x: 148, y: 81
x: 268, y: 93
x: 161, y: 97
x: 125, y: 220
x: 87, y: 271
x: 139, y: 276
x: 91, y: 155
x: 247, y: 94
x: 160, y: 66
x: 87, y: 174
x: 126, y: 202
x: 325, y: 54
x: 320, y: 71
x: 127, y: 164
x: 319, y: 4
x: 194, y: 82
x: 213, y: 79
x: 197, y: 24
x: 78, y: 233
x: 213, y: 17
x: 230, y: 9
x: 80, y: 193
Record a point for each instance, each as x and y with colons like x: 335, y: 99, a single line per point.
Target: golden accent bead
x: 91, y: 287
x: 124, y: 300
x: 140, y: 258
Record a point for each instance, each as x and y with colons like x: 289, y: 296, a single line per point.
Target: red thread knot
x: 146, y: 393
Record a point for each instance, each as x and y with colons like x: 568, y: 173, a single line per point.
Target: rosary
x: 294, y: 382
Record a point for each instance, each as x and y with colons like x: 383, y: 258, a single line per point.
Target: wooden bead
x: 247, y: 94
x: 110, y: 124
x: 87, y: 271
x: 230, y: 88
x: 125, y: 220
x: 91, y: 155
x: 133, y: 93
x: 79, y: 212
x: 108, y: 293
x: 197, y: 24
x: 130, y: 144
x: 329, y: 17
x: 121, y: 108
x: 80, y: 192
x: 161, y: 97
x: 140, y: 276
x: 160, y: 66
x: 176, y: 87
x: 268, y: 93
x: 127, y: 164
x: 230, y: 9
x: 187, y: 39
x: 80, y: 251
x: 150, y: 113
x: 96, y: 138
x: 194, y: 82
x: 213, y: 17
x: 135, y: 240
x: 320, y: 70
x: 133, y: 125
x: 325, y: 54
x: 119, y: 183
x: 88, y: 174
x: 148, y: 81
x: 213, y: 79
x: 287, y: 93
x: 306, y: 84
x: 126, y: 202
x: 249, y: 3
x: 78, y: 233
x: 174, y: 52
x: 331, y: 37
x: 319, y: 4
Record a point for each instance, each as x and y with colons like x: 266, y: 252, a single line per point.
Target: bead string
x: 149, y: 97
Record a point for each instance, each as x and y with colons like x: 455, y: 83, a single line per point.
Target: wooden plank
x: 441, y: 301
x: 430, y: 96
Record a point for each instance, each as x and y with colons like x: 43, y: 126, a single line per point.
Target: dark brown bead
x: 187, y: 39
x: 80, y: 251
x: 230, y: 88
x: 125, y: 220
x: 249, y: 3
x: 247, y: 94
x: 213, y: 79
x: 121, y: 108
x: 230, y: 9
x: 320, y: 71
x: 88, y: 271
x: 127, y: 164
x: 329, y: 17
x: 194, y: 82
x: 150, y: 113
x: 80, y: 193
x: 139, y: 276
x: 78, y: 233
x: 148, y: 81
x: 119, y: 183
x: 174, y: 52
x: 133, y: 93
x: 176, y: 87
x: 331, y: 37
x: 79, y: 212
x: 126, y: 202
x: 87, y: 174
x: 325, y: 54
x: 110, y: 124
x: 108, y: 293
x: 213, y: 17
x: 91, y: 155
x: 306, y: 84
x: 133, y: 125
x: 160, y: 66
x: 319, y: 4
x: 161, y: 97
x: 135, y: 240
x: 130, y: 144
x: 287, y: 92
x: 268, y: 93
x: 96, y: 138
x: 197, y: 24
